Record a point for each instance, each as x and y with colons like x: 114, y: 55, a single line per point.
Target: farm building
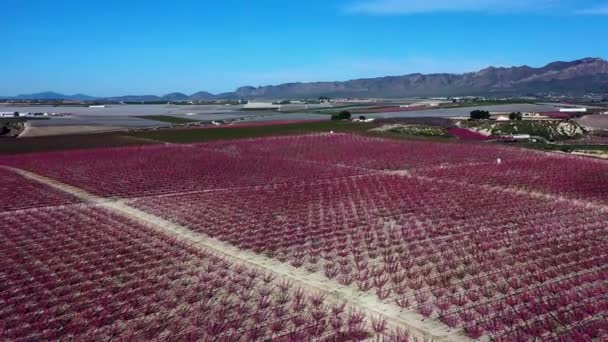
x: 573, y: 110
x: 504, y: 116
x: 535, y: 116
x: 520, y: 137
x: 364, y: 120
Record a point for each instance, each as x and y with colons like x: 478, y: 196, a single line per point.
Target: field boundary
x: 428, y: 330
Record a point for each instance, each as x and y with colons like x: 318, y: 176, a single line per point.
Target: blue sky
x: 122, y: 47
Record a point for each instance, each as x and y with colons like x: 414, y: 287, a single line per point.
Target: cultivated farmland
x: 21, y: 193
x: 321, y: 237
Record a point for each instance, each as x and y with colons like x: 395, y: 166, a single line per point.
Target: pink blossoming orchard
x: 325, y: 237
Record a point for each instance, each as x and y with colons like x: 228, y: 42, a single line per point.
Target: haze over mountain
x: 588, y: 75
x: 50, y: 95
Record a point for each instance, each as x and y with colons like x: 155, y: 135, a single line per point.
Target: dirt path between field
x: 427, y: 330
x: 47, y: 131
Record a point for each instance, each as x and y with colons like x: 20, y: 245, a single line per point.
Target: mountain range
x: 583, y: 76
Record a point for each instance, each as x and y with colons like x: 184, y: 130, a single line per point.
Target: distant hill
x: 134, y: 98
x: 202, y: 96
x: 176, y: 97
x: 568, y: 78
x: 49, y: 95
x: 583, y: 76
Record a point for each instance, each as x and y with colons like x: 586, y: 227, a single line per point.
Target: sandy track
x: 428, y: 330
x: 31, y: 131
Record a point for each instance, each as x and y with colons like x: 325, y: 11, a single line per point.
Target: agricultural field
x: 250, y: 130
x: 304, y: 237
x: 85, y: 273
x: 68, y: 142
x: 369, y: 153
x: 21, y: 193
x: 88, y: 271
x: 168, y: 119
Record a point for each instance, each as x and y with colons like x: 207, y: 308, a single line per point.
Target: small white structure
x: 534, y: 116
x: 364, y: 120
x: 521, y: 136
x: 97, y: 106
x: 7, y: 114
x: 502, y: 118
x: 573, y: 110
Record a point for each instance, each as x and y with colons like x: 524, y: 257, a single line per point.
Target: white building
x: 364, y: 120
x: 521, y: 136
x: 534, y: 116
x: 573, y: 110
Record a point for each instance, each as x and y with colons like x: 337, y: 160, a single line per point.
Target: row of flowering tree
x: 432, y: 242
x: 82, y: 273
x: 166, y: 169
x: 569, y: 177
x: 468, y: 257
x: 368, y: 152
x: 18, y: 193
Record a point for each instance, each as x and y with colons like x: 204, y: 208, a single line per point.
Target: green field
x: 565, y: 148
x: 67, y: 142
x: 185, y: 135
x: 236, y: 132
x: 117, y: 139
x: 167, y: 119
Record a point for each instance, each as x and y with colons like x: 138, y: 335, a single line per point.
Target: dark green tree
x: 480, y: 115
x: 516, y: 116
x: 343, y: 115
